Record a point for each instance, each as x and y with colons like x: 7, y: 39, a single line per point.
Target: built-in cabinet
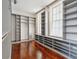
x: 23, y: 27
x: 62, y: 28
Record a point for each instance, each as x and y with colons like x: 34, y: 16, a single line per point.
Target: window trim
x: 50, y: 9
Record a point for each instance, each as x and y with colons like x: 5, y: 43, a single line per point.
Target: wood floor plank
x: 33, y: 50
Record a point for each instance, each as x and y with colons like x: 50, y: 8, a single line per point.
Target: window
x: 56, y: 23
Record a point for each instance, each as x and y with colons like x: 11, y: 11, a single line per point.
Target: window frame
x: 50, y: 18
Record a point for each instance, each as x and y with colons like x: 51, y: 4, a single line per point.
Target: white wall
x: 13, y: 27
x: 6, y: 27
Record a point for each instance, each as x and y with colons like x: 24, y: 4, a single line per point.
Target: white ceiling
x: 31, y: 6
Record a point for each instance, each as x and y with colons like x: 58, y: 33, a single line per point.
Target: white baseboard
x: 22, y: 41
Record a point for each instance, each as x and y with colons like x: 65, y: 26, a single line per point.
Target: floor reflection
x: 32, y: 50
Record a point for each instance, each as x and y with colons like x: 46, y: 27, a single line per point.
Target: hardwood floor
x: 33, y: 50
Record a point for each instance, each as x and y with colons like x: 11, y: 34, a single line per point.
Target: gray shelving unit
x: 70, y: 14
x: 66, y: 47
x: 43, y: 23
x: 17, y: 28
